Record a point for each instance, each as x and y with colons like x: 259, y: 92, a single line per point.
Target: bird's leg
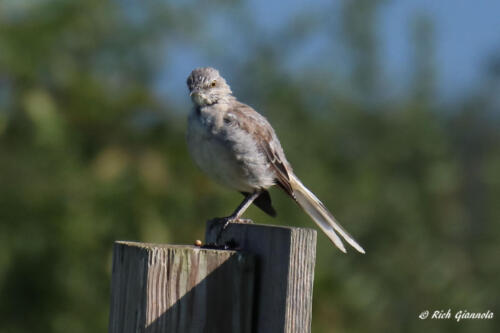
x: 235, y: 216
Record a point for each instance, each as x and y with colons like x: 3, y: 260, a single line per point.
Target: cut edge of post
x: 151, y: 246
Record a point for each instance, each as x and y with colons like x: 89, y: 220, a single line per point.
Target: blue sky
x: 466, y: 33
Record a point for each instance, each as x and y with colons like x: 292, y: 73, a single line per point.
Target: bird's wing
x: 257, y: 125
x: 251, y: 121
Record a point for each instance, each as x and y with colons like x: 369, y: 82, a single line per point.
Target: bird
x: 237, y: 147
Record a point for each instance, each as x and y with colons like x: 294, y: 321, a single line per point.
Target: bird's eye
x: 213, y: 83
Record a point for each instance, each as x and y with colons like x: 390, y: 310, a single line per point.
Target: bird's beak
x: 195, y: 92
x: 198, y: 97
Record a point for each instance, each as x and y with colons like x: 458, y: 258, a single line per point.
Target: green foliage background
x: 90, y: 152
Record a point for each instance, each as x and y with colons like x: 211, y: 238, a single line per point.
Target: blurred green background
x: 93, y: 109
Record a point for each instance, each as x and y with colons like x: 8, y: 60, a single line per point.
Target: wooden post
x: 285, y: 259
x: 168, y: 288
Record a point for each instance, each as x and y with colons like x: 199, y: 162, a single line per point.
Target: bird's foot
x: 225, y: 221
x: 244, y: 221
x: 221, y: 223
x: 218, y: 225
x: 230, y: 219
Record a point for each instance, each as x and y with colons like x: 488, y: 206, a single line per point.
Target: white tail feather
x: 323, y: 218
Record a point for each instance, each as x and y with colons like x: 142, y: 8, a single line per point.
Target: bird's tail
x: 323, y: 218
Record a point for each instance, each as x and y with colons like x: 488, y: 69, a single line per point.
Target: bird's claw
x: 230, y: 219
x: 243, y: 221
x: 225, y: 221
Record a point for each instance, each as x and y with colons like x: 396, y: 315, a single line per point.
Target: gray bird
x: 237, y: 146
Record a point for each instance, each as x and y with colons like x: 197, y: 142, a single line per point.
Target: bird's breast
x: 227, y: 154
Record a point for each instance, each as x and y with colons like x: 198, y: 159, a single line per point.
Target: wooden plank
x: 168, y: 288
x: 284, y: 272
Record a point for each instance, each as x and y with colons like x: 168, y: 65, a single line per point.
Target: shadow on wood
x: 165, y: 288
x: 285, y: 258
x: 265, y: 286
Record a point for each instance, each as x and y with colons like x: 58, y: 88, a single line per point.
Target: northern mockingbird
x: 237, y: 146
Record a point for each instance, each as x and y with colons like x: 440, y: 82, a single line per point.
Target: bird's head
x: 207, y: 87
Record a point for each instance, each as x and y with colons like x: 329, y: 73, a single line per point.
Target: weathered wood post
x: 285, y: 259
x: 167, y: 288
x: 264, y: 286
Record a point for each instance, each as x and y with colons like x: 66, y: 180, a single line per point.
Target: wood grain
x: 184, y: 289
x: 285, y: 259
